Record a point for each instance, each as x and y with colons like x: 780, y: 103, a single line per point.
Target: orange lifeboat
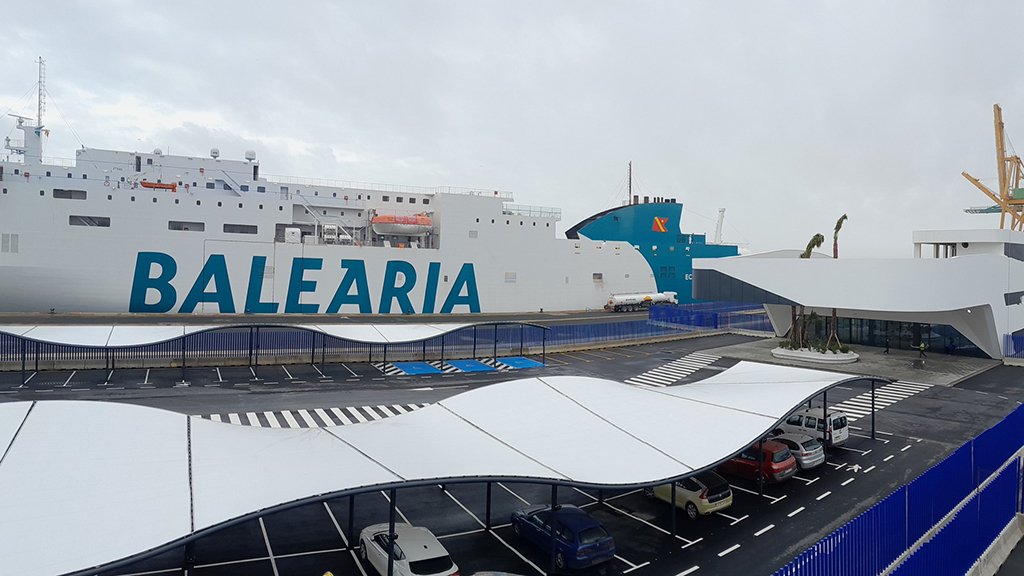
x: 394, y: 225
x: 173, y: 186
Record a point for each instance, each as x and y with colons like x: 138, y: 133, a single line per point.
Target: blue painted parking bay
x: 470, y: 365
x: 416, y: 368
x: 519, y: 363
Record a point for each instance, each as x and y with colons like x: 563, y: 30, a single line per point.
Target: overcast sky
x: 787, y: 114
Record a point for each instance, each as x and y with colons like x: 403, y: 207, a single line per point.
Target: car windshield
x: 781, y: 456
x: 839, y: 422
x: 592, y: 535
x: 431, y: 565
x: 811, y: 445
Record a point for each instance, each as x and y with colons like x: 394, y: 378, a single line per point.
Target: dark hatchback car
x: 580, y: 540
x: 775, y: 462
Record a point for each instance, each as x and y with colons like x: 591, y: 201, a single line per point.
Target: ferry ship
x: 148, y: 232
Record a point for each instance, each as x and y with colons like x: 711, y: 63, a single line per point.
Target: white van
x: 809, y: 421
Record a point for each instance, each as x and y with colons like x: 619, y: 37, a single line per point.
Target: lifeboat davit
x: 394, y: 225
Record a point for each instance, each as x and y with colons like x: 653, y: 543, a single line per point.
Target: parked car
x: 580, y: 540
x: 774, y: 461
x: 809, y: 453
x: 416, y: 551
x: 699, y: 495
x: 809, y: 421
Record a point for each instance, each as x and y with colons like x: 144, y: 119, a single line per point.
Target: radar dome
x: 250, y: 155
x: 214, y: 153
x: 158, y: 151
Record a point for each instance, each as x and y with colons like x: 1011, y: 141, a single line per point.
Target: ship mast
x: 1010, y: 197
x: 41, y: 107
x: 629, y: 183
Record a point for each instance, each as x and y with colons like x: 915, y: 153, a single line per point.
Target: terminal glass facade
x: 939, y: 338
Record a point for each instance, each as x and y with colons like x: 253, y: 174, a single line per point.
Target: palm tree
x: 835, y: 254
x: 798, y: 333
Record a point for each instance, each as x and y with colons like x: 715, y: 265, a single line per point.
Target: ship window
x: 149, y: 161
x: 5, y: 190
x: 17, y: 171
x: 325, y: 212
x: 335, y: 194
x: 385, y: 198
x: 109, y: 196
x: 598, y: 276
x: 41, y: 193
x: 219, y: 204
x: 473, y: 233
x: 315, y: 192
x: 520, y: 222
x: 194, y: 185
x: 47, y: 173
x: 210, y: 185
x: 398, y: 199
x: 177, y: 201
x: 360, y: 196
x: 492, y: 220
x: 186, y: 226
x: 507, y: 222
x: 240, y: 229
x: 69, y: 173
x: 261, y: 206
x: 69, y: 194
x: 510, y: 277
x: 547, y: 224
x: 133, y: 198
x: 477, y: 220
x: 535, y: 224
x: 239, y: 204
x: 359, y: 214
x: 412, y: 200
x: 261, y: 188
x: 280, y: 208
x: 101, y: 221
x: 122, y: 180
x: 446, y: 278
x: 244, y: 187
x: 199, y: 202
x: 426, y: 201
x: 9, y: 243
x: 226, y: 187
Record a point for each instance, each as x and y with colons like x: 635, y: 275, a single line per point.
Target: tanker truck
x: 638, y: 301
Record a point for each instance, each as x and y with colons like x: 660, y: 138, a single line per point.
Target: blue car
x: 580, y: 541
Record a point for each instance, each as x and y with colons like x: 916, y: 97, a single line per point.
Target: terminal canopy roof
x: 89, y: 483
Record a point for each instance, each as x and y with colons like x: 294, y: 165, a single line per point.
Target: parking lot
x: 756, y: 535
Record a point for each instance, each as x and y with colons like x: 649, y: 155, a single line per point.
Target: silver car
x: 808, y: 451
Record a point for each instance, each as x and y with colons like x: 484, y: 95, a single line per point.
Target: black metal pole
x: 474, y: 341
x: 522, y: 328
x: 250, y: 346
x: 495, y: 355
x: 673, y: 509
x: 760, y: 467
x: 312, y: 349
x: 189, y: 561
x: 385, y: 357
x: 424, y: 350
x: 551, y: 525
x: 256, y: 364
x: 544, y: 347
x: 824, y: 416
x: 872, y: 408
x: 391, y: 533
x: 323, y: 348
x: 37, y: 356
x: 183, y: 359
x: 23, y: 362
x: 351, y: 521
x: 487, y: 521
x: 442, y: 347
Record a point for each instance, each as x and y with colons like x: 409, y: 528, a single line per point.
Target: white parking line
x: 824, y: 495
x: 111, y: 373
x: 847, y: 481
x: 146, y: 381
x: 866, y: 470
x: 290, y: 377
x: 861, y: 452
x: 656, y: 527
x: 219, y: 379
x: 905, y: 448
x: 635, y: 566
x: 889, y: 457
x: 319, y: 372
x: 70, y: 377
x: 397, y: 509
x: 517, y: 496
x: 345, y: 540
x: 492, y: 532
x: 349, y: 370
x: 805, y: 480
x: 795, y: 512
x: 765, y: 529
x: 882, y: 440
x: 772, y: 498
x: 690, y: 570
x: 732, y: 548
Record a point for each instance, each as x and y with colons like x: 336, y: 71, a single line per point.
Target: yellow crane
x: 1010, y: 197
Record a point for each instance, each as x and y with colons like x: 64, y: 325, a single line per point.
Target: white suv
x: 809, y: 421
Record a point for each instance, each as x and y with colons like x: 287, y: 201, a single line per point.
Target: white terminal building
x: 961, y: 292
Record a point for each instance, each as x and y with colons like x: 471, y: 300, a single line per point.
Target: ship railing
x: 45, y: 160
x: 376, y: 187
x: 533, y: 211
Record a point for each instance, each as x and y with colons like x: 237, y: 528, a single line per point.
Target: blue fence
x: 872, y: 541
x: 1013, y: 346
x: 712, y: 316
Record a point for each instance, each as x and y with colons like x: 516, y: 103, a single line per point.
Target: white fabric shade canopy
x: 96, y: 482
x: 142, y: 334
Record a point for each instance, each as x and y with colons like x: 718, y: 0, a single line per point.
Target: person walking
x: 886, y: 351
x: 920, y: 350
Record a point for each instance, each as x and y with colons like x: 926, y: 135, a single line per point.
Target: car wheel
x: 691, y: 510
x: 362, y: 550
x: 516, y: 529
x: 559, y: 561
x: 649, y: 492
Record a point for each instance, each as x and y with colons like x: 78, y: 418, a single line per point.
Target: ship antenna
x: 42, y: 92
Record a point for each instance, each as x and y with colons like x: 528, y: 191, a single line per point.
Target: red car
x: 776, y: 462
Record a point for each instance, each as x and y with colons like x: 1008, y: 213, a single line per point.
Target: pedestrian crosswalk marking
x: 860, y: 406
x: 314, y: 417
x: 674, y: 371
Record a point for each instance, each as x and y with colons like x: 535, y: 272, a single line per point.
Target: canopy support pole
x: 351, y: 521
x: 391, y: 533
x: 673, y: 509
x: 872, y: 408
x: 551, y: 518
x: 487, y: 521
x: 824, y: 424
x: 760, y: 467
